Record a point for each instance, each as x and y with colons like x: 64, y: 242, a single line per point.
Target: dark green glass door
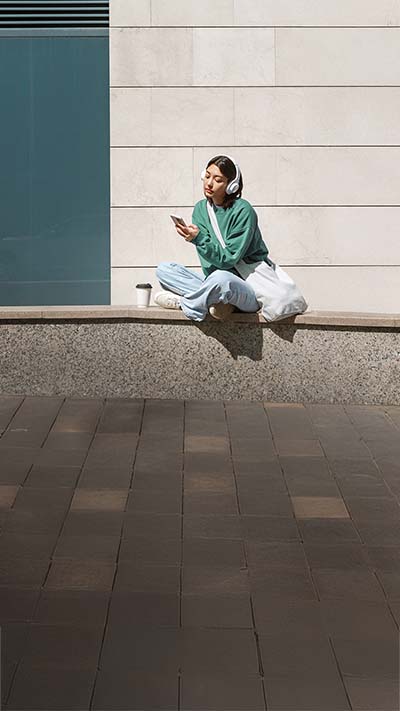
x: 54, y: 170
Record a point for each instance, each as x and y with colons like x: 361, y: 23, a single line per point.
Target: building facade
x: 305, y: 95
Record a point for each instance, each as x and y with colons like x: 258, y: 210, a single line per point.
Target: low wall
x: 153, y: 353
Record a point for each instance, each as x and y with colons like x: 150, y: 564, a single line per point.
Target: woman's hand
x: 189, y: 232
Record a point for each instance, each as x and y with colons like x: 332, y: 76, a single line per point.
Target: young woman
x: 221, y: 290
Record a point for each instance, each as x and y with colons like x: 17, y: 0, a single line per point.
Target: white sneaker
x: 167, y: 300
x: 221, y: 311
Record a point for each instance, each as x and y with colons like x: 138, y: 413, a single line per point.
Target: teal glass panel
x: 54, y: 171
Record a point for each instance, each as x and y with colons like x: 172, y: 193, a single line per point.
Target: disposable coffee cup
x: 143, y: 293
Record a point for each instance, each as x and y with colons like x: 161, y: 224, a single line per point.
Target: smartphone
x: 177, y: 220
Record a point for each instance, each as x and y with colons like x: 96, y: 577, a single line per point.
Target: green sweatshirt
x: 239, y: 228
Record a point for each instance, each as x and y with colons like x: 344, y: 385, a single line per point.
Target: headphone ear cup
x: 203, y: 174
x: 232, y: 187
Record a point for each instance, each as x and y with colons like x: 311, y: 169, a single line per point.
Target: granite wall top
x: 154, y: 313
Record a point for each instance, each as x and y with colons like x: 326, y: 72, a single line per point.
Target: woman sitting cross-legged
x: 226, y: 235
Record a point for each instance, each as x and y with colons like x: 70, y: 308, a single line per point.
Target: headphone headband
x: 234, y: 185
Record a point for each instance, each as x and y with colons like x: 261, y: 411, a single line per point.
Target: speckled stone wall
x: 284, y: 363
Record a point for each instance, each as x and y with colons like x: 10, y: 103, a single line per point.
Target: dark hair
x: 228, y: 170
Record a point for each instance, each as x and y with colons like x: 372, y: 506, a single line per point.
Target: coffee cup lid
x: 144, y: 286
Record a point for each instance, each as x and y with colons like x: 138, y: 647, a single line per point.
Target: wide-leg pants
x: 198, y: 293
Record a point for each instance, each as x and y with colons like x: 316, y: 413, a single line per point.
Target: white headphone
x: 234, y: 185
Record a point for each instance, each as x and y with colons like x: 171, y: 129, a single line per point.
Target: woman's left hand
x: 189, y: 232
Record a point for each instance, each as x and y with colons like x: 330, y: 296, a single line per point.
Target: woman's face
x: 214, y: 184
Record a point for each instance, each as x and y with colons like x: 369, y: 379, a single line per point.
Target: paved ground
x: 199, y: 555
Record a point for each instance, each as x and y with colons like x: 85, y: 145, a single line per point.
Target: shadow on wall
x: 245, y: 339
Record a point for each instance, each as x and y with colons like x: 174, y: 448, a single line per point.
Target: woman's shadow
x: 244, y: 334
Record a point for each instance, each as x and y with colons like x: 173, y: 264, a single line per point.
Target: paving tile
x: 87, y: 547
x: 258, y: 466
x: 299, y: 447
x: 217, y: 611
x: 141, y: 549
x: 264, y: 556
x: 319, y: 507
x: 213, y: 650
x: 14, y: 636
x: 68, y: 440
x: 373, y: 508
x: 206, y: 580
x: 17, y: 605
x: 46, y: 477
x: 260, y: 449
x: 209, y: 503
x: 228, y: 692
x: 384, y: 558
x: 288, y: 619
x: 372, y: 694
x: 107, y: 523
x: 135, y: 691
x: 60, y: 690
x: 148, y: 650
x: 306, y: 694
x: 285, y: 583
x: 23, y: 437
x: 363, y: 486
x: 207, y: 443
x: 35, y: 521
x: 37, y: 412
x: 308, y: 476
x: 269, y: 528
x: 247, y: 419
x: 60, y: 457
x: 207, y: 463
x: 266, y: 483
x: 370, y: 659
x: 390, y: 583
x: 112, y: 450
x: 121, y: 415
x: 200, y: 551
x: 26, y: 545
x: 347, y: 619
x: 76, y: 608
x: 132, y: 609
x: 217, y: 483
x: 288, y: 422
x: 147, y: 578
x: 151, y: 525
x: 23, y: 572
x: 18, y: 458
x: 379, y: 532
x: 99, y: 500
x: 354, y: 468
x: 9, y: 404
x: 52, y: 498
x: 80, y: 575
x: 266, y: 504
x: 78, y: 415
x: 158, y: 460
x: 342, y: 557
x: 329, y: 531
x: 106, y: 478
x: 7, y: 676
x: 212, y: 526
x: 287, y: 657
x: 153, y: 501
x: 63, y: 646
x: 8, y: 495
x: 348, y: 584
x: 394, y: 607
x: 166, y: 481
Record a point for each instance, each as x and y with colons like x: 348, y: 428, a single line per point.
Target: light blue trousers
x: 198, y: 293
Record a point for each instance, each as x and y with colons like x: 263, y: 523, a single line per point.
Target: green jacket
x: 239, y: 228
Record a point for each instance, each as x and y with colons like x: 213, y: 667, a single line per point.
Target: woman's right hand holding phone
x: 189, y: 232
